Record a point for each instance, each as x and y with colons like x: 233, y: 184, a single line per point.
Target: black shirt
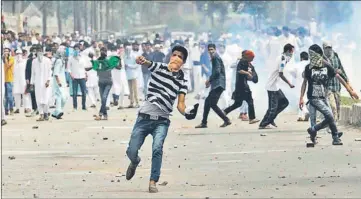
x: 241, y: 79
x: 317, y: 79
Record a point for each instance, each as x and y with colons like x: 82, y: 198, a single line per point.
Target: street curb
x: 350, y: 115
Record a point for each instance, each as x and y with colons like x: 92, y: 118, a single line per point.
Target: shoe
x: 115, y: 103
x: 131, y: 106
x: 3, y: 122
x: 307, y: 117
x: 339, y: 134
x: 201, y: 126
x: 98, y: 117
x: 265, y: 127
x: 84, y: 109
x: 153, y: 188
x: 274, y: 124
x: 105, y: 117
x: 17, y: 111
x: 313, y: 135
x: 11, y: 112
x: 253, y: 121
x: 41, y: 118
x: 226, y: 123
x: 131, y: 171
x: 52, y: 106
x: 93, y: 106
x: 336, y: 141
x: 46, y: 116
x: 6, y: 112
x: 300, y: 119
x: 120, y: 108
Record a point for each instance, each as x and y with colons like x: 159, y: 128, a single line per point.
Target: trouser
x: 142, y: 128
x: 133, y: 91
x: 334, y: 99
x: 60, y: 101
x: 43, y: 108
x: 322, y: 106
x: 313, y: 115
x: 2, y: 107
x: 120, y: 97
x: 80, y: 82
x: 92, y: 93
x: 211, y: 102
x: 146, y: 78
x: 34, y: 105
x: 246, y: 96
x: 277, y: 102
x: 26, y: 100
x: 104, y: 90
x: 9, y: 98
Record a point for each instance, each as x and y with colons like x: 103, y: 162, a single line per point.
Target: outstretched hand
x: 191, y: 113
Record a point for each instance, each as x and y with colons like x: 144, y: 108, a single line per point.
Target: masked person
x: 40, y: 78
x: 59, y: 83
x: 334, y: 85
x: 243, y: 92
x: 217, y: 82
x: 166, y: 84
x: 20, y: 83
x: 316, y: 75
x: 76, y: 67
x: 8, y: 61
x: 277, y: 101
x: 29, y: 88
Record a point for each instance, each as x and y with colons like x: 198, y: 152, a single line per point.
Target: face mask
x: 289, y: 54
x: 328, y: 52
x: 39, y: 55
x: 175, y: 63
x: 76, y: 53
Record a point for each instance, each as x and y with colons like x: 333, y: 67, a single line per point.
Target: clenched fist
x: 140, y: 60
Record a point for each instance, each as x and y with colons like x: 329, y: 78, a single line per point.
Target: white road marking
x: 246, y: 152
x: 110, y: 127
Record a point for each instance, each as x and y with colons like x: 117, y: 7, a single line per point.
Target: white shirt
x: 274, y: 78
x: 76, y: 67
x: 132, y: 68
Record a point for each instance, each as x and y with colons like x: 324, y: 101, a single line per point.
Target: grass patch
x: 348, y: 101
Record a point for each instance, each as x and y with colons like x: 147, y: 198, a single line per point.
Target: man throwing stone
x: 166, y: 84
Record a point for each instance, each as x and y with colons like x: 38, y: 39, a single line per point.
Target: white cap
x: 156, y: 46
x: 18, y: 51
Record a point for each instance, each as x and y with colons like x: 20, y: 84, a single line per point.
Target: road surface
x: 81, y: 158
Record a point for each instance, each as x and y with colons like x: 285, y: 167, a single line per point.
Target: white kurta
x: 40, y: 74
x: 19, y: 76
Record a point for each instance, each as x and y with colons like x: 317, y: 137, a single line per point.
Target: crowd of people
x: 41, y: 73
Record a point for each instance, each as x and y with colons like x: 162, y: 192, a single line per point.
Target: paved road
x: 71, y: 158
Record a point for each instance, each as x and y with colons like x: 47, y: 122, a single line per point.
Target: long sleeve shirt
x: 218, y: 77
x: 76, y: 67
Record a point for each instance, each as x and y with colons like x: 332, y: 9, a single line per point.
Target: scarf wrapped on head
x: 316, y: 60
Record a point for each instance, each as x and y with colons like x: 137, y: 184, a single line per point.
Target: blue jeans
x: 323, y: 107
x: 9, y: 98
x: 80, y: 82
x: 142, y: 128
x: 104, y: 89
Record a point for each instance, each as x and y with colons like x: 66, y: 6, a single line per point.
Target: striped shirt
x: 164, y: 86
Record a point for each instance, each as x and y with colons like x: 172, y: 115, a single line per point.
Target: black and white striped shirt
x: 164, y: 86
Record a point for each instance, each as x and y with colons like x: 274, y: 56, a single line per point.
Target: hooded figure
x: 59, y: 83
